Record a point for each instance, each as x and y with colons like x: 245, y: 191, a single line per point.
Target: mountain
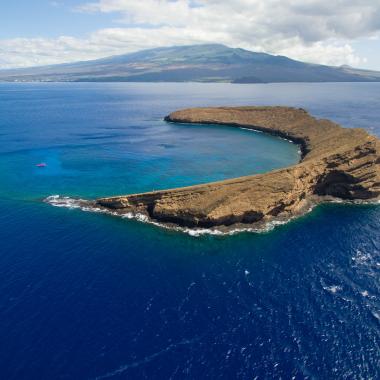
x: 197, y: 63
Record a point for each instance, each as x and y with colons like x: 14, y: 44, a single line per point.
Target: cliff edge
x: 336, y: 163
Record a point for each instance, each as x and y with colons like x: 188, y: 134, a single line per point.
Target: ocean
x: 92, y: 296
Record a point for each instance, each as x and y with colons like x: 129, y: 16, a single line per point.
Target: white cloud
x: 317, y: 31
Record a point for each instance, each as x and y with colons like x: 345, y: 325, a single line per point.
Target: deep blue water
x: 87, y: 296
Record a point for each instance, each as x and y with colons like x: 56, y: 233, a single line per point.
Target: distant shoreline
x: 201, y: 63
x: 193, y: 82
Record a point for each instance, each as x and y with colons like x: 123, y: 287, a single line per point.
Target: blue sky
x: 42, y: 18
x: 334, y: 32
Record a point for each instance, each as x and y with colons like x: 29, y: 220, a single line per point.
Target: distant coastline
x: 209, y: 63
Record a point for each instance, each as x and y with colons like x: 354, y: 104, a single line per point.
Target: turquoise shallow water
x: 105, y: 140
x: 85, y: 296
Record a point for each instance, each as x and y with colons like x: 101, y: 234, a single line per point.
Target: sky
x: 333, y: 32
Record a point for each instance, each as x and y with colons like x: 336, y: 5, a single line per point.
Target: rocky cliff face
x: 336, y: 162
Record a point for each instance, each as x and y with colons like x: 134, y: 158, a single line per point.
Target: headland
x: 336, y: 164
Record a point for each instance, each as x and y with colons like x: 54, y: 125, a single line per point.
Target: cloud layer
x: 317, y: 31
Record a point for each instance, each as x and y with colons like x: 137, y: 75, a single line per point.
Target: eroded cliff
x: 336, y: 162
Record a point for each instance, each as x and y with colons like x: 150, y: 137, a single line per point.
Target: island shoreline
x: 337, y: 164
x: 256, y: 128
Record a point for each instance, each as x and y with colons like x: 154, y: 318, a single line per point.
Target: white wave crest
x: 333, y: 288
x: 59, y: 201
x: 73, y: 203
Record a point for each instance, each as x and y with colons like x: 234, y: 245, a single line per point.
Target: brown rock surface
x: 336, y: 162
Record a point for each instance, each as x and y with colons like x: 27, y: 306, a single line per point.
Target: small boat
x: 41, y: 165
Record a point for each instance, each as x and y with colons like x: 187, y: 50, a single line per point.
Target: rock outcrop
x: 336, y: 162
